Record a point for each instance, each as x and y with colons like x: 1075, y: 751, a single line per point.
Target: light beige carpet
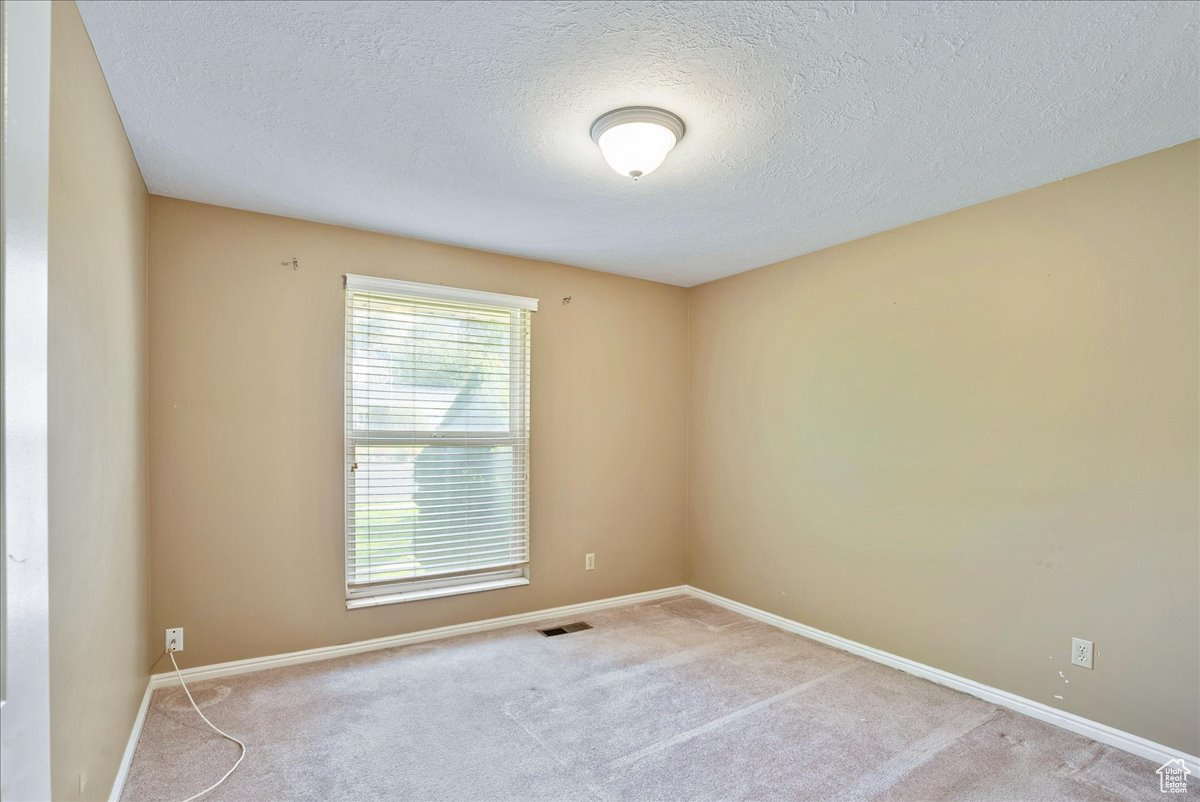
x: 671, y: 700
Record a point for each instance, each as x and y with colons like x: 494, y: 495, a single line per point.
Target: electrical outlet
x: 589, y: 562
x: 1081, y: 652
x: 175, y: 639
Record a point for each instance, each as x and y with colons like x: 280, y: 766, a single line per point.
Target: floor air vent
x: 578, y: 626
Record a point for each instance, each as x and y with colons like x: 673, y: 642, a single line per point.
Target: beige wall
x: 964, y: 441
x: 969, y: 439
x: 99, y: 602
x: 246, y: 446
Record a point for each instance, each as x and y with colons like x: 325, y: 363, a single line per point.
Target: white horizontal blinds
x: 437, y: 434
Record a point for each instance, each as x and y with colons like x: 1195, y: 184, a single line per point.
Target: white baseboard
x: 1125, y: 741
x: 1103, y: 733
x: 201, y: 673
x: 123, y: 770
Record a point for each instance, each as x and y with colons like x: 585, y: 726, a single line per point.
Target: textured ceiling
x: 808, y: 124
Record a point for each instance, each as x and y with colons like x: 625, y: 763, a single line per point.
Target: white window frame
x: 518, y: 438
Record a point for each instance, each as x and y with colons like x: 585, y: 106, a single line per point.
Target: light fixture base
x: 638, y: 114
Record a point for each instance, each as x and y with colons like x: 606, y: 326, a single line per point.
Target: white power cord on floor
x: 214, y: 727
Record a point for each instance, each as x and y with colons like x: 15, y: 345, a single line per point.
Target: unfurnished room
x: 480, y: 401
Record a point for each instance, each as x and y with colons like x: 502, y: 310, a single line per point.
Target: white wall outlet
x: 1081, y: 652
x: 589, y: 562
x: 175, y: 639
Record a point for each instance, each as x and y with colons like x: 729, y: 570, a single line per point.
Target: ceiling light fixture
x: 636, y: 139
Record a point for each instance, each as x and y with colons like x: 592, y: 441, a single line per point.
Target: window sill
x: 434, y: 593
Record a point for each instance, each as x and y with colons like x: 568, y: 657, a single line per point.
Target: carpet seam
x: 714, y: 724
x: 921, y: 752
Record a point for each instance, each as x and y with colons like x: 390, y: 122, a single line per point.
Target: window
x: 437, y: 440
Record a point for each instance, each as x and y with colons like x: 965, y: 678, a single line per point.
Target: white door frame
x: 24, y: 578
